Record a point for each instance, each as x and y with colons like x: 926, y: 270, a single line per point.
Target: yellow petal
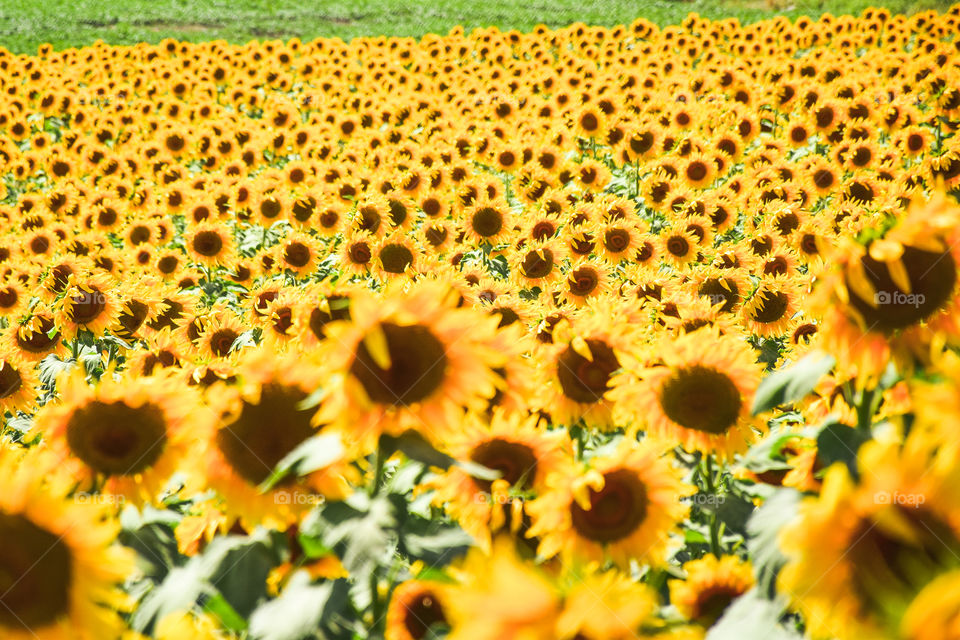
x: 580, y: 347
x: 885, y: 250
x: 858, y: 282
x: 582, y: 486
x: 376, y: 343
x: 899, y: 275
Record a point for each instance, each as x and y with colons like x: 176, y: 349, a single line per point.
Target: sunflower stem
x: 378, y: 470
x: 375, y: 599
x: 636, y: 179
x: 714, y: 520
x: 866, y: 408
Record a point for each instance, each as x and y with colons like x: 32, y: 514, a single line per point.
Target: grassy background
x: 25, y: 24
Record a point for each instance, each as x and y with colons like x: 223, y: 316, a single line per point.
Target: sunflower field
x: 577, y: 334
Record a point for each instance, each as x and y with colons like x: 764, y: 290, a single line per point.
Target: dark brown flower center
x: 516, y: 462
x: 615, y: 511
x: 36, y: 571
x: 264, y: 433
x: 713, y: 289
x: 8, y: 297
x: 208, y: 243
x: 360, y: 253
x: 222, y: 340
x: 702, y: 399
x: 339, y: 310
x: 583, y: 380
x: 678, y: 246
x: 436, y: 235
x: 583, y: 281
x: 713, y: 601
x: 395, y: 258
x: 132, y: 317
x: 296, y: 254
x: 771, y: 307
x: 85, y: 306
x: 422, y: 613
x: 417, y: 365
x: 697, y: 171
x: 616, y: 240
x: 487, y: 222
x: 932, y: 278
x: 10, y: 380
x: 116, y: 439
x: 167, y: 264
x: 537, y: 264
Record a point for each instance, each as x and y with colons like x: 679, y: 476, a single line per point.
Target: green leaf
x: 838, y: 442
x: 763, y: 530
x: 752, y: 617
x: 792, y: 383
x: 51, y: 367
x: 238, y: 566
x: 363, y: 530
x: 734, y: 512
x: 435, y: 542
x: 314, y: 453
x: 766, y: 454
x: 299, y: 611
x: 151, y: 535
x: 227, y: 616
x: 179, y: 591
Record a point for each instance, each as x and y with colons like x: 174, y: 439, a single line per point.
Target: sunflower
x: 710, y: 586
x: 861, y: 553
x: 578, y: 366
x: 137, y: 309
x: 623, y: 507
x: 537, y: 264
x: 585, y: 280
x: 260, y: 422
x: 396, y: 256
x: 895, y: 296
x: 210, y: 244
x: 517, y: 599
x: 416, y: 609
x: 679, y: 247
x: 770, y: 310
x: 18, y: 381
x: 356, y: 256
x: 162, y: 350
x: 515, y: 446
x: 726, y: 286
x: 35, y: 336
x: 62, y: 570
x: 697, y: 393
x: 488, y: 221
x: 130, y: 432
x: 217, y: 334
x: 298, y: 253
x: 88, y: 303
x: 408, y: 359
x: 279, y: 323
x: 13, y: 298
x: 321, y: 305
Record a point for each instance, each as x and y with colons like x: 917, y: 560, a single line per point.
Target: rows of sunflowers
x: 587, y: 333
